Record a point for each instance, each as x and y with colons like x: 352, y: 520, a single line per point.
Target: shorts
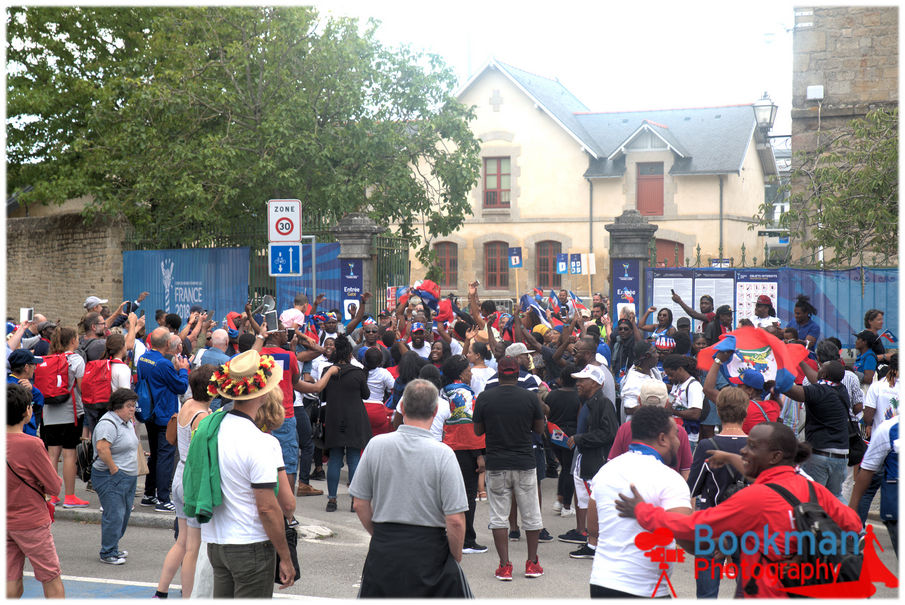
x: 67, y: 435
x: 93, y: 413
x: 36, y: 544
x: 582, y: 492
x: 288, y: 437
x: 540, y: 462
x: 501, y: 486
x: 179, y: 502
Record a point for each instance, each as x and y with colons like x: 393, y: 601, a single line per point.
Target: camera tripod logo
x: 655, y: 543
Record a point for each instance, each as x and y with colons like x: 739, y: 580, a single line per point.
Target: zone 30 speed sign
x: 284, y: 220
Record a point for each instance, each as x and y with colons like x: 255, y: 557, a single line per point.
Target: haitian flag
x: 553, y: 303
x: 429, y: 293
x: 889, y: 337
x: 576, y: 301
x: 527, y: 302
x: 557, y: 435
x: 757, y: 350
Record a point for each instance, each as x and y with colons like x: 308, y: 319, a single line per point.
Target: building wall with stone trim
x: 853, y: 52
x: 53, y: 263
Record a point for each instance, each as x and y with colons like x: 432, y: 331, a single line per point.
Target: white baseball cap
x: 592, y: 372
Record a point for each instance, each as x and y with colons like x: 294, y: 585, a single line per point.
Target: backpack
x: 52, y: 378
x: 811, y: 518
x: 97, y: 381
x: 144, y: 412
x: 82, y: 349
x: 738, y: 481
x: 85, y: 457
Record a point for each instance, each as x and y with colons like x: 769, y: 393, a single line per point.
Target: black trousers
x: 565, y: 485
x: 468, y: 464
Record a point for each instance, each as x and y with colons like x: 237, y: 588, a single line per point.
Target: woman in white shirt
x: 478, y: 355
x: 380, y: 381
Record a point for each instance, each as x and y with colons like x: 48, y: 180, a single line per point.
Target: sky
x: 613, y: 56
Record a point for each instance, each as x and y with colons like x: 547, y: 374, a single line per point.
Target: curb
x: 311, y: 531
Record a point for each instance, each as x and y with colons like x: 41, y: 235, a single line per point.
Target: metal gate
x: 391, y: 266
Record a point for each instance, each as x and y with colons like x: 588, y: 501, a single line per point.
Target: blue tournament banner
x: 327, y: 279
x: 626, y: 279
x: 515, y: 258
x: 575, y: 264
x: 214, y: 278
x: 351, y: 280
x: 562, y: 264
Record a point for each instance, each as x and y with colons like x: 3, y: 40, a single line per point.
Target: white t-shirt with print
x: 618, y: 563
x: 688, y: 395
x: 765, y: 322
x: 884, y: 399
x: 249, y: 458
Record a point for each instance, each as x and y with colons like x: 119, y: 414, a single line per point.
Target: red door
x: 666, y: 251
x: 650, y: 188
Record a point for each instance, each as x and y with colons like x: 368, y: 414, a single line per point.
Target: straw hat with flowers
x: 246, y: 376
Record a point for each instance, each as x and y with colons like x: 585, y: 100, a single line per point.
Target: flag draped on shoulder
x: 756, y: 349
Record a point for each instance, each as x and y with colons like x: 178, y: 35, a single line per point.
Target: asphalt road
x: 331, y: 566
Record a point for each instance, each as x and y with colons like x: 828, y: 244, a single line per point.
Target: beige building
x: 553, y: 174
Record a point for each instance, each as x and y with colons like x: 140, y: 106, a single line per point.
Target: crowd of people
x: 432, y: 409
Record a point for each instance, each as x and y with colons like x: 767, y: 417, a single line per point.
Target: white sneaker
x: 567, y: 512
x: 557, y: 506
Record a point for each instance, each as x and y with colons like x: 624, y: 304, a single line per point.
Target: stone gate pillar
x: 630, y: 237
x: 354, y: 233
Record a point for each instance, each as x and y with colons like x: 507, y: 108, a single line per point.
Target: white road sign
x: 284, y: 220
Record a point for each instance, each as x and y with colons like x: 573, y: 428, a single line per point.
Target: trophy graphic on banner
x: 624, y: 269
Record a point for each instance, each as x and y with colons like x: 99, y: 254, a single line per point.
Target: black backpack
x: 85, y: 457
x: 811, y: 518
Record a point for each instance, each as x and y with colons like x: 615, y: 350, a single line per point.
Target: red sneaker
x: 504, y: 572
x: 533, y: 569
x: 71, y: 501
x: 55, y: 500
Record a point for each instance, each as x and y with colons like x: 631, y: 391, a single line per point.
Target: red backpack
x: 97, y: 381
x: 52, y: 378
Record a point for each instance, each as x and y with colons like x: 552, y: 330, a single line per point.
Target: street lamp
x: 765, y: 112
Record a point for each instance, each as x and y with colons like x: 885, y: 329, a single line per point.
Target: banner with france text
x: 758, y: 350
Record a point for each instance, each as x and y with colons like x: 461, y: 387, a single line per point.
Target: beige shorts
x: 582, y: 492
x: 501, y: 486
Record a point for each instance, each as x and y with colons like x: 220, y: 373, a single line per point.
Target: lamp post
x: 765, y: 112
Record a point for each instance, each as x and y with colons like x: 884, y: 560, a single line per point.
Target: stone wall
x: 53, y: 263
x: 853, y: 53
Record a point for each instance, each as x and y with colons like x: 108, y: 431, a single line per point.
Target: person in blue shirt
x: 166, y: 381
x: 866, y: 362
x: 807, y: 328
x: 22, y: 365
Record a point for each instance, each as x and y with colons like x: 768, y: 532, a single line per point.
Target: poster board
x: 664, y: 282
x: 749, y: 286
x: 720, y: 285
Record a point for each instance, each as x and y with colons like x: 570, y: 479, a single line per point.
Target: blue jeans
x: 828, y: 472
x: 869, y: 493
x: 289, y: 442
x: 161, y: 463
x: 335, y: 465
x: 116, y: 493
x: 306, y: 443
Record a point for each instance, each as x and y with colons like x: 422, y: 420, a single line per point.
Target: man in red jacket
x: 770, y: 457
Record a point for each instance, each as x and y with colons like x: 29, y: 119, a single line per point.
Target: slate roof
x: 713, y: 140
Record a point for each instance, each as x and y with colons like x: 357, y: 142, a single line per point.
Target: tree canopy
x: 179, y: 117
x: 845, y: 194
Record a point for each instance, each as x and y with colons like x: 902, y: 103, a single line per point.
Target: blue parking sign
x: 562, y: 264
x: 515, y: 258
x: 285, y: 259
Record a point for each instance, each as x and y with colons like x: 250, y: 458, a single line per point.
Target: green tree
x: 194, y: 117
x: 845, y: 194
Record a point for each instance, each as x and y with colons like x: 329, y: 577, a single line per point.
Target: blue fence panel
x: 215, y: 278
x: 837, y: 295
x: 327, y: 279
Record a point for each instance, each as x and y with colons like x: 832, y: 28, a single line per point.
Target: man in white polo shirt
x: 246, y: 533
x: 620, y: 569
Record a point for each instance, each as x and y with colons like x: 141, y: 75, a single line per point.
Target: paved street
x: 331, y: 566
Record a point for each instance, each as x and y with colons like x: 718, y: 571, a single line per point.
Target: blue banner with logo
x: 214, y: 278
x: 562, y: 264
x: 351, y: 280
x: 626, y: 281
x: 327, y: 279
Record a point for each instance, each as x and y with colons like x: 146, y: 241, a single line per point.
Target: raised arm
x: 359, y: 313
x: 643, y: 323
x: 710, y: 390
x: 474, y: 306
x: 688, y: 310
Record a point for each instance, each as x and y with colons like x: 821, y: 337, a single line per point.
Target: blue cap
x: 21, y: 357
x: 10, y: 327
x: 752, y: 378
x: 417, y: 326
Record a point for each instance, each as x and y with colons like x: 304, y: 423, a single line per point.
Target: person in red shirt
x: 30, y: 477
x: 759, y: 410
x: 769, y: 457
